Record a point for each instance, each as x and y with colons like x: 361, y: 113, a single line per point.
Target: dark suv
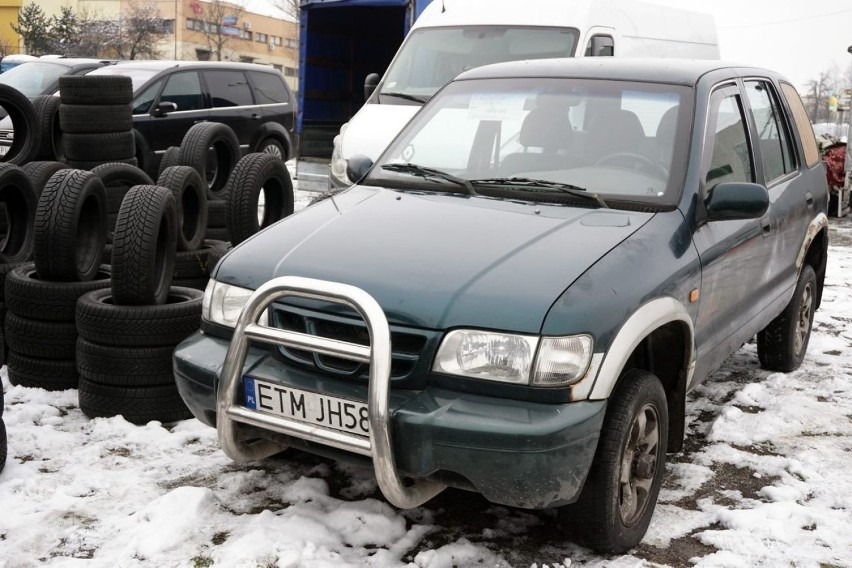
x: 170, y: 96
x: 516, y: 298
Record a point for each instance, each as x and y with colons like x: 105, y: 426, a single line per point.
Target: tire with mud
x: 782, y: 345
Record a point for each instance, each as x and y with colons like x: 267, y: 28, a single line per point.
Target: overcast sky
x: 796, y: 38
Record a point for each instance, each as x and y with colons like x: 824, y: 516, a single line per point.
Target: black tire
x: 46, y: 108
x: 136, y: 405
x: 218, y: 234
x: 144, y: 156
x: 143, y: 248
x: 5, y: 269
x: 193, y: 264
x: 101, y: 320
x: 19, y: 197
x: 190, y: 194
x: 95, y: 119
x: 95, y: 89
x: 118, y: 178
x: 106, y: 258
x: 125, y: 366
x: 40, y: 172
x: 782, y: 345
x: 197, y: 283
x: 52, y: 375
x: 70, y: 227
x: 217, y: 251
x: 274, y: 148
x: 171, y: 157
x: 100, y: 147
x: 216, y: 213
x: 25, y: 124
x: 4, y: 448
x: 255, y: 175
x: 29, y: 297
x: 40, y: 339
x: 601, y: 518
x: 90, y: 165
x: 213, y: 167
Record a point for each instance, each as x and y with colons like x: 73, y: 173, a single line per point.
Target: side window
x: 727, y: 154
x: 268, y: 88
x: 184, y: 89
x: 600, y: 45
x: 142, y: 103
x: 228, y: 88
x: 803, y: 125
x: 772, y: 134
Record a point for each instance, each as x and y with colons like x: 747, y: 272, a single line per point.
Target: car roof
x: 162, y: 64
x: 70, y: 61
x: 676, y: 71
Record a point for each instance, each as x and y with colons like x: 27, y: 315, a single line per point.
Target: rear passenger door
x: 790, y: 207
x: 273, y: 98
x: 232, y: 102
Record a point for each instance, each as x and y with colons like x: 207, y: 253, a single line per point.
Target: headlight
x: 511, y: 358
x: 337, y: 173
x: 224, y: 303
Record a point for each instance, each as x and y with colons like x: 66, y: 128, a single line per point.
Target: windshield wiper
x: 406, y: 96
x: 425, y: 173
x: 529, y: 184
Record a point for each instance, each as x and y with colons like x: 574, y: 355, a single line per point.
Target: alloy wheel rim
x: 272, y: 150
x: 638, y: 464
x: 803, y: 321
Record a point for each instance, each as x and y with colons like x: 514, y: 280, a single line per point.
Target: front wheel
x: 781, y: 345
x: 618, y: 499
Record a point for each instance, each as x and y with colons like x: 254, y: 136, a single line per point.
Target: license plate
x: 3, y: 150
x: 307, y: 406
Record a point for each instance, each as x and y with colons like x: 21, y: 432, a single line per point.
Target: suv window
x: 772, y: 134
x: 731, y: 158
x: 268, y: 88
x: 184, y: 89
x: 142, y: 104
x: 228, y: 88
x: 803, y: 125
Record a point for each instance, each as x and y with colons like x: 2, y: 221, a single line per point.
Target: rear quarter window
x: 803, y: 125
x: 268, y: 88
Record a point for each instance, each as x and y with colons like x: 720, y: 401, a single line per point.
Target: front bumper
x: 517, y: 453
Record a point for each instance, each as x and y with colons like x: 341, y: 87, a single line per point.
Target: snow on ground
x: 765, y: 479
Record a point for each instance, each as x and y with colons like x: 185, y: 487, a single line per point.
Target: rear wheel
x: 272, y: 147
x: 621, y: 489
x: 781, y: 345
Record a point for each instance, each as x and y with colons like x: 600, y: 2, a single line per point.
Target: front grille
x: 407, y: 345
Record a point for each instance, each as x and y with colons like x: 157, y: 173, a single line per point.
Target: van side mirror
x: 164, y: 108
x: 370, y: 84
x: 357, y: 167
x: 736, y: 200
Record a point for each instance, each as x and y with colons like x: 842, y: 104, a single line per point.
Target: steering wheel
x: 638, y: 162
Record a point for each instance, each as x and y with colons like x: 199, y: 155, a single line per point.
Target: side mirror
x: 357, y: 167
x: 736, y: 200
x: 164, y: 108
x: 370, y: 84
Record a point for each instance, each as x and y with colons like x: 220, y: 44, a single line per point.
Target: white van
x: 451, y: 36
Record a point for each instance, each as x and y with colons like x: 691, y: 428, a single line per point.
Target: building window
x: 275, y: 39
x: 247, y: 59
x: 277, y: 67
x: 289, y: 71
x: 260, y: 38
x: 290, y: 42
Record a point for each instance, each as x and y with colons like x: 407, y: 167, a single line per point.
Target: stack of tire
x: 96, y: 120
x: 41, y: 296
x: 129, y: 331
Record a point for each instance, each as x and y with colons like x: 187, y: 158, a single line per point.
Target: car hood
x: 373, y: 127
x: 437, y: 261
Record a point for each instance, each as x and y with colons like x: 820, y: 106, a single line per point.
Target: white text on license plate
x: 306, y: 406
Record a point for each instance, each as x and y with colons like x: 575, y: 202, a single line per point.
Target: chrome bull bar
x: 230, y: 412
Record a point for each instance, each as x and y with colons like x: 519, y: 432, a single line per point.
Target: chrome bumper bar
x: 231, y: 412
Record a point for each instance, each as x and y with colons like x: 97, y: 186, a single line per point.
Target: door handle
x: 809, y: 199
x: 255, y: 116
x: 766, y: 226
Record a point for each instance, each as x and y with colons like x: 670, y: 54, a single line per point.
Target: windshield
x: 137, y: 76
x: 432, y: 56
x: 34, y: 78
x: 621, y: 140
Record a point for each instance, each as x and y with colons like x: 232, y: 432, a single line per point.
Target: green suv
x: 517, y: 296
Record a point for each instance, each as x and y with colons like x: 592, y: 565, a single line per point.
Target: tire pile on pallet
x: 96, y: 120
x: 41, y: 296
x: 129, y: 331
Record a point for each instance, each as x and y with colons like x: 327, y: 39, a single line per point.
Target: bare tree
x: 819, y: 90
x: 220, y: 25
x: 139, y: 29
x: 288, y: 6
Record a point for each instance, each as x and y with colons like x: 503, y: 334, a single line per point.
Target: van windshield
x: 430, y: 57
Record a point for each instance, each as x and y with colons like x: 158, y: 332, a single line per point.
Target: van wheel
x: 618, y: 500
x: 781, y: 345
x: 272, y: 147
